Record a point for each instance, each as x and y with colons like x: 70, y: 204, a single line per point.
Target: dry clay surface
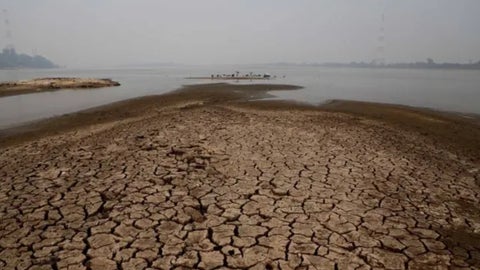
x: 230, y: 187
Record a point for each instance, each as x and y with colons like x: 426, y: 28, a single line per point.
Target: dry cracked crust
x: 231, y: 187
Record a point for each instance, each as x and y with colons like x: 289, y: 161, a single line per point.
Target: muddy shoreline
x: 450, y: 129
x: 210, y: 176
x: 137, y: 107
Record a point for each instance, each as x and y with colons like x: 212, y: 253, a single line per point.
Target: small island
x: 52, y: 84
x: 235, y: 76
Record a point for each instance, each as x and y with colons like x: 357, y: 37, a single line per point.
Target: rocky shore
x: 206, y: 178
x: 52, y: 84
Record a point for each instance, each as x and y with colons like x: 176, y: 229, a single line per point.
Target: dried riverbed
x: 202, y: 178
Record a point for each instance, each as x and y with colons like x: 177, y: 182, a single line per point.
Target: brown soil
x: 204, y: 178
x: 449, y: 130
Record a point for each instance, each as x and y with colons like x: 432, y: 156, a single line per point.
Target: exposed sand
x: 202, y: 178
x: 52, y: 84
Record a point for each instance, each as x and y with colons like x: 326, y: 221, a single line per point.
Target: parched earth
x: 232, y: 186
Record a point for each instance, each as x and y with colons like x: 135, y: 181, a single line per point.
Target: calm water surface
x: 449, y: 90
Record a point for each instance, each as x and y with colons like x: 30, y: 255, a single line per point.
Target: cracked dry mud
x: 228, y: 186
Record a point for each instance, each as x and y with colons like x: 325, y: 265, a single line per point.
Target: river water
x: 446, y: 90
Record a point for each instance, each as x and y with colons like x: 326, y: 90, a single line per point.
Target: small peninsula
x: 52, y: 84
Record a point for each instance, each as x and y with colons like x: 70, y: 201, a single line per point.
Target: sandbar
x: 52, y: 84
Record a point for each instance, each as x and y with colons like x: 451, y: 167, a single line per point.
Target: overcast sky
x: 118, y: 32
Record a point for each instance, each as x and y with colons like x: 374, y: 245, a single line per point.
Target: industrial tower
x: 8, y: 32
x: 379, y: 59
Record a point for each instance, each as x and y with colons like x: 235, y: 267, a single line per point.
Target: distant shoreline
x: 417, y: 65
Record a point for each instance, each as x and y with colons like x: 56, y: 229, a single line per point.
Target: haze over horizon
x: 81, y: 33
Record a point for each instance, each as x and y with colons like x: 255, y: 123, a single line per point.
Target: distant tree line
x: 429, y: 64
x: 9, y: 59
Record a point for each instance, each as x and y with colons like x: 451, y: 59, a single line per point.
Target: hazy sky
x: 117, y: 32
